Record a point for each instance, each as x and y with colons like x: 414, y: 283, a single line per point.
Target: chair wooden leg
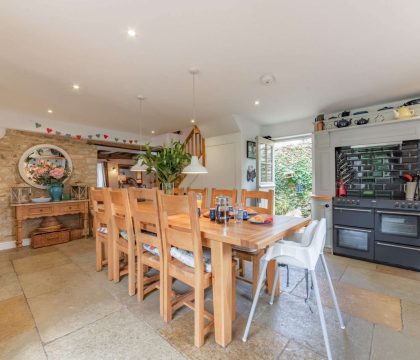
x: 116, y: 264
x: 98, y: 254
x: 140, y: 279
x: 255, y: 274
x: 241, y: 268
x: 167, y: 294
x: 131, y: 272
x: 110, y: 259
x: 198, y: 316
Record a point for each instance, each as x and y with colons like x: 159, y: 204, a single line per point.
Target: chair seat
x: 151, y: 260
x: 187, y: 258
x: 185, y: 273
x: 102, y: 230
x: 151, y: 249
x: 244, y: 249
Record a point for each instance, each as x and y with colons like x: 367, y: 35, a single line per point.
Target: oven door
x: 354, y: 242
x: 398, y: 227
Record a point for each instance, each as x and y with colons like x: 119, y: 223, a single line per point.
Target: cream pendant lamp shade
x: 195, y: 167
x: 138, y: 166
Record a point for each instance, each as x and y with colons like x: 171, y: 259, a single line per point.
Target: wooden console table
x: 56, y: 208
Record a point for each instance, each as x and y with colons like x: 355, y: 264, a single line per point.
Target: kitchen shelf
x: 383, y: 123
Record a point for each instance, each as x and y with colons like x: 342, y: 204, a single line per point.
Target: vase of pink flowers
x: 51, y: 176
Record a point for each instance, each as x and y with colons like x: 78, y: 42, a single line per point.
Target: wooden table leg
x: 18, y: 233
x: 271, y: 272
x: 221, y: 264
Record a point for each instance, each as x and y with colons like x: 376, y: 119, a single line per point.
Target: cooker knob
x: 410, y: 205
x: 403, y: 205
x: 416, y: 206
x: 397, y: 204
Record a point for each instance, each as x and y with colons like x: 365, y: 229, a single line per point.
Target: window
x: 265, y: 162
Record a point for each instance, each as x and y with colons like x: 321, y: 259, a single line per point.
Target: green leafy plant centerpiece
x: 167, y: 163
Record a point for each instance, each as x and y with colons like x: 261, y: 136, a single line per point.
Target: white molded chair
x: 303, y: 256
x: 303, y: 239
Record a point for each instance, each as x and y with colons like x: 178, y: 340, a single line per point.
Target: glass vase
x: 168, y: 188
x: 56, y: 191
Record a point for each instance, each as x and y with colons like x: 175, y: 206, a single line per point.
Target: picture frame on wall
x: 251, y: 149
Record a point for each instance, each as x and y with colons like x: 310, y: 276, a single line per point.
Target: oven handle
x: 350, y: 209
x: 398, y: 246
x: 398, y: 213
x: 351, y: 228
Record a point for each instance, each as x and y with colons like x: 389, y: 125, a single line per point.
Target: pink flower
x: 57, y: 173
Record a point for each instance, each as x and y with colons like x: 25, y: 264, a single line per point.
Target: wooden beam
x: 119, y: 145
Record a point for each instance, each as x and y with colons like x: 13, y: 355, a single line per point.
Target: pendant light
x: 194, y: 167
x: 138, y: 166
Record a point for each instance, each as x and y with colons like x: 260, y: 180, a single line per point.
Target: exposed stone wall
x: 12, y: 146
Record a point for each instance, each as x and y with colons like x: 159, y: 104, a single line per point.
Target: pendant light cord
x: 193, y: 89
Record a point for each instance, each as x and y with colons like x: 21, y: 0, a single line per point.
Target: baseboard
x: 12, y: 244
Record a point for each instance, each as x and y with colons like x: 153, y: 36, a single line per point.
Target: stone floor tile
x: 77, y: 247
x: 396, y: 286
x: 404, y: 273
x: 365, y: 304
x: 62, y: 311
x: 116, y: 336
x: 26, y: 251
x: 9, y: 286
x: 40, y: 262
x: 291, y: 317
x: 15, y: 318
x: 389, y: 344
x: 25, y: 346
x: 50, y: 279
x: 411, y: 318
x: 6, y: 266
x: 296, y: 351
x: 86, y: 261
x: 263, y: 343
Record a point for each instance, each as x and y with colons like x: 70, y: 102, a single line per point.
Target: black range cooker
x: 380, y: 230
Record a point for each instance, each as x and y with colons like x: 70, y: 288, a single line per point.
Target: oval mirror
x: 44, y: 164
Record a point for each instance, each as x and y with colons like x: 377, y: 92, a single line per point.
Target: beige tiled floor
x: 53, y: 304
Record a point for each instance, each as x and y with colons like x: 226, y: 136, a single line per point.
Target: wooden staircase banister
x: 195, y: 145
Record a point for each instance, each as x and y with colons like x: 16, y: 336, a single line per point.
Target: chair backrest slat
x: 101, y: 205
x: 121, y: 214
x: 231, y: 193
x: 145, y: 214
x: 172, y: 210
x: 258, y: 196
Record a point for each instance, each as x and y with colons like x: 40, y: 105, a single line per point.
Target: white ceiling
x: 326, y: 55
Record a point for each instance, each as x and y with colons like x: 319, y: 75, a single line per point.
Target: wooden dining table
x: 220, y: 239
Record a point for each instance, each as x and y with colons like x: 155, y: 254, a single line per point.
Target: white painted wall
x: 288, y: 128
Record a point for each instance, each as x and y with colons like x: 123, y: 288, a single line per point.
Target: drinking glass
x: 238, y: 213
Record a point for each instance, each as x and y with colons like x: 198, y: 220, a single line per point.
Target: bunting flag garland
x: 79, y: 137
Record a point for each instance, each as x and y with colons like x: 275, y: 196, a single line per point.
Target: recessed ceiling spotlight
x: 192, y: 121
x: 49, y: 111
x: 257, y: 102
x: 131, y: 33
x: 76, y: 86
x: 153, y: 131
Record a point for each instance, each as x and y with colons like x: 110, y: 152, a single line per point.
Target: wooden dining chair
x: 123, y: 238
x: 145, y: 214
x: 185, y: 260
x: 179, y: 191
x: 102, y: 228
x: 231, y: 193
x: 253, y: 256
x: 203, y: 193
